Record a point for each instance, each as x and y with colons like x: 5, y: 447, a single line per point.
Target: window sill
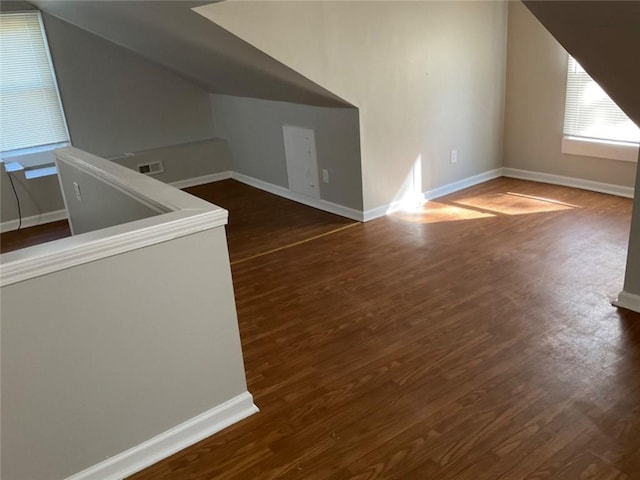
x: 35, y: 162
x: 626, y: 152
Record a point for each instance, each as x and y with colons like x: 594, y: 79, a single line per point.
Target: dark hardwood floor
x: 260, y: 222
x: 473, y: 339
x: 27, y: 237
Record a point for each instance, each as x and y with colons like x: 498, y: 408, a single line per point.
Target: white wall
x: 535, y: 100
x: 253, y: 130
x: 112, y: 337
x: 427, y: 77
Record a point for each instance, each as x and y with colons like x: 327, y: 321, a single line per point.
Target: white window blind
x: 31, y: 113
x: 591, y: 114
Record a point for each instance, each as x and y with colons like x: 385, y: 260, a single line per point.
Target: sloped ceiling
x: 604, y: 37
x: 169, y: 33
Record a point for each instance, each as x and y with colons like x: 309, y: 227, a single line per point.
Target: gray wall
x: 115, y: 102
x: 188, y: 160
x: 118, y: 102
x: 37, y: 196
x: 253, y: 130
x: 534, y: 113
x: 88, y: 373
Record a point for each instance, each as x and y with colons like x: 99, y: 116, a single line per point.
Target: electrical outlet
x: 76, y: 190
x: 454, y: 156
x: 325, y: 175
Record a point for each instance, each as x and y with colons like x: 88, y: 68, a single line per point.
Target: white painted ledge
x: 172, y: 441
x: 627, y: 300
x: 587, y: 147
x: 180, y: 214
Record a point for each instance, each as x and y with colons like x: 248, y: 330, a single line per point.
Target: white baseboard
x: 462, y: 184
x: 34, y: 220
x: 377, y: 212
x: 296, y: 197
x: 600, y: 187
x: 627, y: 300
x: 194, y: 182
x: 437, y: 192
x: 173, y: 440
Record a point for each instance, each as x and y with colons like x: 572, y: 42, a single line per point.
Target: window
x: 31, y: 115
x: 594, y: 125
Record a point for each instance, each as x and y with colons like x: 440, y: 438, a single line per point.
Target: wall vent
x: 151, y: 168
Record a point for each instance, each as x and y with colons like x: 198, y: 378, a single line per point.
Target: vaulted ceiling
x: 171, y: 34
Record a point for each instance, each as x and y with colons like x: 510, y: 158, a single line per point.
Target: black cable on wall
x: 17, y: 200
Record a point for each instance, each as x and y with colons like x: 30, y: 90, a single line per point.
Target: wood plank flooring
x: 260, y: 222
x: 28, y: 237
x: 472, y: 339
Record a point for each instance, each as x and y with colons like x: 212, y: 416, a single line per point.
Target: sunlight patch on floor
x: 514, y: 204
x: 435, y: 212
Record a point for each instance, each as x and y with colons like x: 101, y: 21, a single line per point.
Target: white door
x: 302, y: 164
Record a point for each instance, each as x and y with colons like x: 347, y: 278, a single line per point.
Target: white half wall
x: 119, y: 346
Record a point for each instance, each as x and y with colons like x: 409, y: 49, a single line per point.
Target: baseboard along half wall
x: 627, y: 300
x: 171, y: 441
x: 194, y: 182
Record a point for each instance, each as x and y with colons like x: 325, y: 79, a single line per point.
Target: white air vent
x: 151, y: 168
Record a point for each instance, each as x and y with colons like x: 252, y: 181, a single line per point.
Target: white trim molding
x: 627, y: 300
x: 296, y: 197
x: 437, y: 192
x: 194, y: 182
x: 171, y: 441
x: 462, y: 184
x: 34, y: 220
x: 88, y: 247
x: 57, y: 215
x: 377, y: 212
x: 179, y: 215
x: 600, y: 187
